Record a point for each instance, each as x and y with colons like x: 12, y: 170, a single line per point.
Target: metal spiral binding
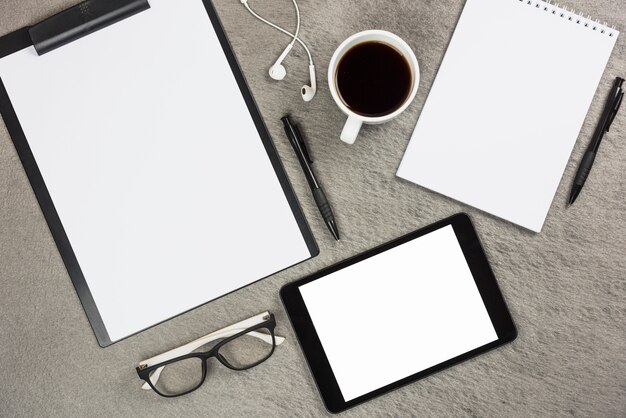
x: 570, y: 15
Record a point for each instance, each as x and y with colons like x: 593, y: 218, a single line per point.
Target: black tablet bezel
x: 312, y: 347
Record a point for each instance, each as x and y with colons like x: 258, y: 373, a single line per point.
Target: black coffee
x: 373, y: 79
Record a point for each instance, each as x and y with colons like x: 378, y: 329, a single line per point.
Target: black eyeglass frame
x: 269, y: 324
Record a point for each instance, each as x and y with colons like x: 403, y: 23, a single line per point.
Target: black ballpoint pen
x: 297, y: 142
x: 612, y: 106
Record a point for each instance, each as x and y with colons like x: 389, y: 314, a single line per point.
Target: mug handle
x: 351, y: 130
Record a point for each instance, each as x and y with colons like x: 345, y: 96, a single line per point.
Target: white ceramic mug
x: 355, y: 121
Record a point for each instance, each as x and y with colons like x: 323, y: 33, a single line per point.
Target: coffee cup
x: 373, y: 77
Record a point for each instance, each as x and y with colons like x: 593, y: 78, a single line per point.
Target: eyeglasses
x: 182, y: 370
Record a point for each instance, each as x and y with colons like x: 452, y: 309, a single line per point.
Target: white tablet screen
x: 398, y: 313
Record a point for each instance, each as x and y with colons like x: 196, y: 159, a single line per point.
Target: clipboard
x: 291, y: 243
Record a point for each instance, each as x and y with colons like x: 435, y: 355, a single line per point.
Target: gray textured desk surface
x: 566, y: 287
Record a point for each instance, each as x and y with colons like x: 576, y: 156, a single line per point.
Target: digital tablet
x: 398, y: 313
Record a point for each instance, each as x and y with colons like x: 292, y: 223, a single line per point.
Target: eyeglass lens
x: 247, y: 350
x: 180, y: 377
x: 240, y: 353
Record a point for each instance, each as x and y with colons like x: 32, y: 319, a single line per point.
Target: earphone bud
x: 278, y: 71
x: 308, y: 92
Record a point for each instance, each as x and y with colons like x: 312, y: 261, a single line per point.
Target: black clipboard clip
x: 81, y: 20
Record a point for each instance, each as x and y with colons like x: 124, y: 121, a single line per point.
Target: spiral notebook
x: 506, y: 108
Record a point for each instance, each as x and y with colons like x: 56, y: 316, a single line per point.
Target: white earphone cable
x: 295, y: 37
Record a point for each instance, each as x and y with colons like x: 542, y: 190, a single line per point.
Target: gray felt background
x: 565, y: 287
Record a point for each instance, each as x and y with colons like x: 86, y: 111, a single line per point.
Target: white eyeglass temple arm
x: 222, y: 333
x: 189, y: 347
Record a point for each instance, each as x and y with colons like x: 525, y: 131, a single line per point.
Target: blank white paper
x: 507, y: 105
x: 398, y: 313
x: 154, y: 164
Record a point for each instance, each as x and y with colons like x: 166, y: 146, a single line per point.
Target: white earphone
x: 278, y: 71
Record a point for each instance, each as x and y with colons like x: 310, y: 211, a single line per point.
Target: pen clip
x: 614, y: 112
x: 300, y: 139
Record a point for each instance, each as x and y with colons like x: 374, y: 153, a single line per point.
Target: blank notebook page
x: 507, y: 105
x: 154, y: 164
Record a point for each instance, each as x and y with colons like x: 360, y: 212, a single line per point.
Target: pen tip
x: 332, y: 227
x: 573, y: 196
